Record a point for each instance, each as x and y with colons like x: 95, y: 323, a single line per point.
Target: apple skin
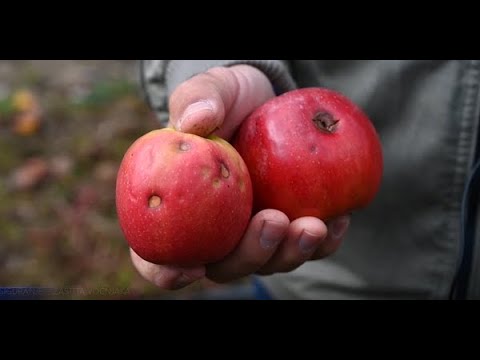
x: 311, y: 152
x: 182, y: 199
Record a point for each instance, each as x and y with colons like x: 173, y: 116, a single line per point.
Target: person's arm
x: 159, y: 78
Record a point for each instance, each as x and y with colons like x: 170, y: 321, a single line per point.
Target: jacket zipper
x: 468, y: 217
x: 468, y: 230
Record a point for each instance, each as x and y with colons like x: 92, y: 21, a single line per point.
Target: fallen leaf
x: 61, y: 166
x: 29, y: 175
x: 87, y: 196
x: 25, y: 101
x: 43, y: 237
x: 26, y: 108
x: 25, y: 211
x: 106, y: 171
x: 26, y: 123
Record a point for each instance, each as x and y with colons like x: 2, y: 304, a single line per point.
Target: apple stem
x: 324, y: 121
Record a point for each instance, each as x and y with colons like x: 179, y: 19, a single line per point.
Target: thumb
x: 218, y: 100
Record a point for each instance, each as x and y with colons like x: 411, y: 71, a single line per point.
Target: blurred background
x: 64, y: 127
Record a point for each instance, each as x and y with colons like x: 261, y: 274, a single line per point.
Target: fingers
x: 218, y: 100
x: 305, y: 235
x: 198, y: 105
x: 271, y: 244
x: 265, y: 232
x: 337, y: 229
x: 166, y: 277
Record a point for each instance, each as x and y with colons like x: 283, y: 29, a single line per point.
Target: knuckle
x: 251, y: 265
x: 218, y: 71
x: 244, y: 268
x: 329, y: 249
x: 265, y: 272
x: 282, y: 265
x: 290, y: 266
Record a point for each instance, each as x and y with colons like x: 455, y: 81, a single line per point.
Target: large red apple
x: 182, y: 199
x: 311, y: 152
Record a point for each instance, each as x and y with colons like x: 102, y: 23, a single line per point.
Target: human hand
x: 217, y: 101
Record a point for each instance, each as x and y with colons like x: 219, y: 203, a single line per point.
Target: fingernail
x: 307, y: 243
x: 339, y: 226
x: 193, y: 109
x: 181, y: 282
x: 269, y: 236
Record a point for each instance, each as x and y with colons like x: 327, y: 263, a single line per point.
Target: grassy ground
x: 64, y: 127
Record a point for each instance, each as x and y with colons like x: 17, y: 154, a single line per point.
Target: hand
x: 216, y: 102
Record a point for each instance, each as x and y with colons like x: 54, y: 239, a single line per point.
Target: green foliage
x: 6, y: 107
x: 103, y: 93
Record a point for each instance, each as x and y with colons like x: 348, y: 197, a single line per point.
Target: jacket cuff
x: 276, y: 70
x: 159, y: 78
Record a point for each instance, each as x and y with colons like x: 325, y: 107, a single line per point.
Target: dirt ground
x: 64, y: 127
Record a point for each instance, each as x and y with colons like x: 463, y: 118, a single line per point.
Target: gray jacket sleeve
x: 159, y: 78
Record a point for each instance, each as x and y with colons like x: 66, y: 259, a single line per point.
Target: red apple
x: 182, y: 199
x: 311, y: 152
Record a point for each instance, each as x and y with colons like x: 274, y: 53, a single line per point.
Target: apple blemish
x: 184, y: 146
x: 224, y: 171
x: 154, y: 202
